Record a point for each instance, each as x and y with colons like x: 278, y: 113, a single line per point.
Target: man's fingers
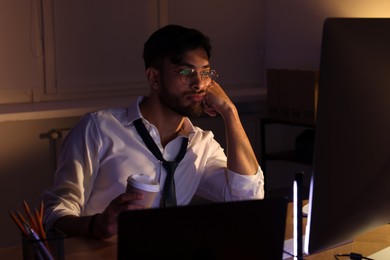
x: 125, y: 198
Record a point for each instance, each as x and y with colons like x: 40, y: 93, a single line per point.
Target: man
x: 104, y: 148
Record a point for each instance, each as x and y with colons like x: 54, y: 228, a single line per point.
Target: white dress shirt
x: 104, y: 148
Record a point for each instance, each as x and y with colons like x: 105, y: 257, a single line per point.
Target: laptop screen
x: 235, y: 230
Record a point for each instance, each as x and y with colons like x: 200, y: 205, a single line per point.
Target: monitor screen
x: 350, y: 185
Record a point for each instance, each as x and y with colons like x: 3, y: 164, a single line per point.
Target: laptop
x: 252, y: 229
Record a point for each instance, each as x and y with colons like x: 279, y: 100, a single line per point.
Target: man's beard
x: 173, y: 102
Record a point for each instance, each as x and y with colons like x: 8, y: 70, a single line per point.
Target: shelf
x: 290, y: 156
x: 267, y: 121
x: 301, y: 153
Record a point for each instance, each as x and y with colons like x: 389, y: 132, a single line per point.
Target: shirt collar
x: 133, y: 113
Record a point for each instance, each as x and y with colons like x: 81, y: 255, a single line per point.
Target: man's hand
x: 216, y: 101
x: 105, y: 224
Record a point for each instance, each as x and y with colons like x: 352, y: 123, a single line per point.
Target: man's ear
x: 153, y: 77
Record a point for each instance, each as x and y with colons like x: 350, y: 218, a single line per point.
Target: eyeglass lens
x: 187, y: 76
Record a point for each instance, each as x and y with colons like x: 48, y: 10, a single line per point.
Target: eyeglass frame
x: 185, y: 79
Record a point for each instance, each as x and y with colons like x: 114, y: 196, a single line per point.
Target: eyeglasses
x: 188, y: 75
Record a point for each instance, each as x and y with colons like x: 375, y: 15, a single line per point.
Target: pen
x: 30, y: 216
x: 43, y: 252
x: 17, y: 222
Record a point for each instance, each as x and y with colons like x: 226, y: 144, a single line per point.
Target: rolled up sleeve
x: 246, y: 186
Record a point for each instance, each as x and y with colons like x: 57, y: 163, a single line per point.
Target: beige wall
x: 24, y: 168
x: 294, y: 28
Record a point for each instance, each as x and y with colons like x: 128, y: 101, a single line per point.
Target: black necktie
x: 169, y: 191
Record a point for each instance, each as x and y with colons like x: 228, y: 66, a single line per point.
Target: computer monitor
x: 350, y: 186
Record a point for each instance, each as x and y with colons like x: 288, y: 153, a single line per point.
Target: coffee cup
x: 144, y: 184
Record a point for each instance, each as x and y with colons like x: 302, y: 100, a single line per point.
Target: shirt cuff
x: 246, y: 186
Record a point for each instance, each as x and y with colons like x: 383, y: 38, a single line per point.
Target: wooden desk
x: 75, y: 249
x: 365, y: 244
x: 84, y: 248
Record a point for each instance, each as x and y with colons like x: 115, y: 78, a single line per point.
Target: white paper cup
x: 143, y: 184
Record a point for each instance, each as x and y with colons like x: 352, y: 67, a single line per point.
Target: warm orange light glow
x: 358, y: 8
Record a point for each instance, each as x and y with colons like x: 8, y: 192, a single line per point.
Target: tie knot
x: 170, y: 166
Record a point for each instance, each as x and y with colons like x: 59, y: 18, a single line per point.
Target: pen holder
x: 54, y: 243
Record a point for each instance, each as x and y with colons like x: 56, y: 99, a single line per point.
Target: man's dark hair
x: 171, y: 42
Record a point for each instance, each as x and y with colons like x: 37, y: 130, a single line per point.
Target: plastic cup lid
x: 143, y: 182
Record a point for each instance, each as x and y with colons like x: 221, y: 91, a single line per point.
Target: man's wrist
x: 91, y: 226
